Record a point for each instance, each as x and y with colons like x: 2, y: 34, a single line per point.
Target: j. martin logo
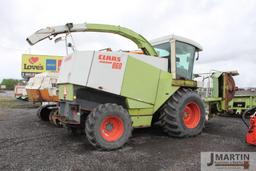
x: 228, y: 161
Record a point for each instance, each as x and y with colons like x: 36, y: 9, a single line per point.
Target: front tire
x: 108, y: 126
x: 75, y: 131
x: 183, y: 115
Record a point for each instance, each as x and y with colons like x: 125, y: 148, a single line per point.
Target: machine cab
x: 180, y: 52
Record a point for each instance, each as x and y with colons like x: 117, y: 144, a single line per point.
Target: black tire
x: 75, y: 131
x: 97, y: 118
x: 52, y: 118
x: 43, y: 112
x: 172, y: 115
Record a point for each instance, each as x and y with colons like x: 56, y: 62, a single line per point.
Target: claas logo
x: 115, y: 61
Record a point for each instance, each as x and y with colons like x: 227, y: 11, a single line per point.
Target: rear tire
x: 183, y: 115
x: 43, y: 113
x: 52, y: 118
x: 108, y: 126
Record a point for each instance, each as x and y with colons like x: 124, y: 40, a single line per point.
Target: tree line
x: 10, y: 83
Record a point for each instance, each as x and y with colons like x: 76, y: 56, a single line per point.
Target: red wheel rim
x: 192, y: 115
x: 112, y: 128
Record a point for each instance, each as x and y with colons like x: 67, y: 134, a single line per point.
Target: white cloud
x: 224, y: 28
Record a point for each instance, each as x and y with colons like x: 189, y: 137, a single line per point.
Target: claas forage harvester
x: 108, y: 93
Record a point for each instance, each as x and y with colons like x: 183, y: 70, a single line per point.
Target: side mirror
x: 197, y: 57
x: 70, y: 45
x: 196, y: 75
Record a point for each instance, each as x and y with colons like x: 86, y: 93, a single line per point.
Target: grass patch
x: 9, y: 102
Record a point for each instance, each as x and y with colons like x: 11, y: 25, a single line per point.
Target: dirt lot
x: 26, y: 143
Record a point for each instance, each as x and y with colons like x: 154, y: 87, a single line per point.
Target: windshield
x: 163, y: 50
x: 184, y: 60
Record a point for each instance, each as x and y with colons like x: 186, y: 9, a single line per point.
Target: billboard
x: 33, y: 64
x: 40, y: 63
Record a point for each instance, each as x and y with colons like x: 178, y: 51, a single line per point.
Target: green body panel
x: 215, y: 91
x: 156, y: 90
x: 141, y: 121
x: 249, y: 101
x: 137, y: 112
x: 135, y: 104
x: 184, y: 83
x: 70, y: 91
x: 165, y: 90
x: 147, y: 88
x: 140, y: 81
x: 215, y: 82
x: 212, y: 99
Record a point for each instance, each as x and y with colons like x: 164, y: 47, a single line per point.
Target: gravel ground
x: 26, y: 143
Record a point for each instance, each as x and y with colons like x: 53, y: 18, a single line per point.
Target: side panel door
x: 107, y: 71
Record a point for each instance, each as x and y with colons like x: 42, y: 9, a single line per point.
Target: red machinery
x: 251, y: 135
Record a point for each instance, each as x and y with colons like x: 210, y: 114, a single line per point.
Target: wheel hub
x: 191, y: 115
x: 185, y: 115
x: 109, y: 126
x: 112, y: 128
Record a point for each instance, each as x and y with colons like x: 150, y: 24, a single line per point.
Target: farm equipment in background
x: 251, y: 134
x: 220, y: 90
x: 43, y: 88
x: 243, y: 100
x: 32, y: 88
x: 223, y: 96
x: 20, y: 92
x: 109, y: 93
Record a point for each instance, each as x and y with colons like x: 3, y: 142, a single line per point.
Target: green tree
x: 10, y: 83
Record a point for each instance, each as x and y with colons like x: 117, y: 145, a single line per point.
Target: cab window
x: 185, y: 54
x: 163, y: 50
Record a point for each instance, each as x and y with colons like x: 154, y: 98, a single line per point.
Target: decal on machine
x: 114, y: 61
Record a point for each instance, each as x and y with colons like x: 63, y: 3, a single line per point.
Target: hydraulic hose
x: 245, y: 112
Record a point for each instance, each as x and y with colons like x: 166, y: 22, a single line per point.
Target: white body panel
x: 107, y: 71
x: 102, y: 70
x: 178, y: 38
x: 75, y: 69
